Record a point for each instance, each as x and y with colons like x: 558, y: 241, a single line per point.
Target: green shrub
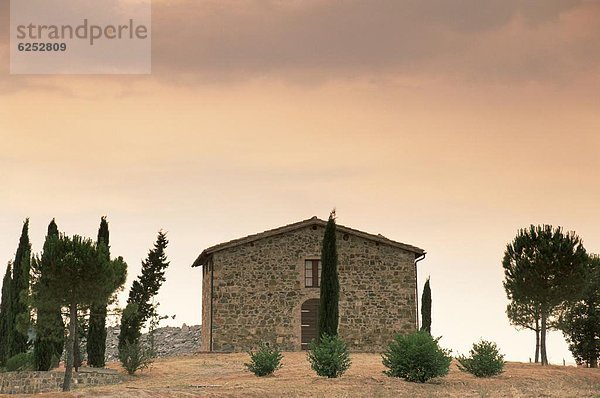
x: 265, y: 361
x: 55, y: 362
x: 484, y: 361
x: 134, y: 356
x: 20, y: 362
x: 416, y: 357
x: 330, y: 357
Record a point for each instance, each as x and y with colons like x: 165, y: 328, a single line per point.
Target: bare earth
x: 224, y: 375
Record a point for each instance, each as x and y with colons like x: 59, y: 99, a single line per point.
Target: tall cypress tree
x: 96, y: 337
x: 330, y: 285
x: 5, y: 315
x: 50, y: 327
x: 139, y: 304
x: 426, y: 308
x: 17, y: 340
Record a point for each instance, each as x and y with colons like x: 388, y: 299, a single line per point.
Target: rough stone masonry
x: 168, y: 340
x: 254, y: 288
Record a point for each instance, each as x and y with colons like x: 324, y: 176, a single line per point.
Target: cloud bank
x: 509, y: 41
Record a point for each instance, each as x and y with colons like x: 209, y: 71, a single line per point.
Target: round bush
x: 329, y: 357
x: 265, y: 361
x: 484, y: 360
x: 20, y: 362
x: 416, y: 357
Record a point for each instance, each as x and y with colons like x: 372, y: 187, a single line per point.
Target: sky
x: 445, y: 125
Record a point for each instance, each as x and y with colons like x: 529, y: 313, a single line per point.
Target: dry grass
x: 224, y: 375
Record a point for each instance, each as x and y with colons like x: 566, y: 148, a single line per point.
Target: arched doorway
x: 308, y: 321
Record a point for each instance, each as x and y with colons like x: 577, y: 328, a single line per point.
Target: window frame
x: 314, y: 266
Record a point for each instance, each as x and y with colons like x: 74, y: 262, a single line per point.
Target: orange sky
x: 446, y: 127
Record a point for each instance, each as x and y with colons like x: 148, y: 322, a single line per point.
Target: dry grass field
x: 224, y: 375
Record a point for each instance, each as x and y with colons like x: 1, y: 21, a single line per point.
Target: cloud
x: 318, y: 40
x: 332, y: 39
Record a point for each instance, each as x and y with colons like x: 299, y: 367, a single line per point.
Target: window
x: 312, y: 273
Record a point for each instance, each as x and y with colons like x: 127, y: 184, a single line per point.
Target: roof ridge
x: 201, y: 260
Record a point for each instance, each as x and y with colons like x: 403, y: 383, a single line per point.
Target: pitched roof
x: 204, y: 256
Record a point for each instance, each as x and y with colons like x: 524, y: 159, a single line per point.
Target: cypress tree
x: 50, y: 327
x: 131, y: 326
x: 426, y: 308
x: 58, y: 325
x: 19, y: 287
x: 330, y: 285
x: 96, y: 337
x: 140, y: 307
x: 5, y: 315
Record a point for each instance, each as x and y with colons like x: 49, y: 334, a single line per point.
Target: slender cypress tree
x: 50, y: 327
x: 17, y: 340
x: 5, y: 315
x: 330, y: 285
x: 96, y: 337
x: 426, y: 308
x: 139, y: 304
x: 58, y: 325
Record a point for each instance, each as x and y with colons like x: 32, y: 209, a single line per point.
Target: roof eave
x: 201, y: 260
x: 205, y: 255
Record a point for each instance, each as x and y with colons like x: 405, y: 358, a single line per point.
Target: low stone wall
x: 35, y: 382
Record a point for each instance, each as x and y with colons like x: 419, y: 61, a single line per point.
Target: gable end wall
x: 259, y: 289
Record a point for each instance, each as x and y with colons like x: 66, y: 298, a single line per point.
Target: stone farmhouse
x: 265, y: 287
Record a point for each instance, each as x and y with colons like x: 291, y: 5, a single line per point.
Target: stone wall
x: 35, y: 382
x: 168, y: 340
x: 259, y: 289
x: 206, y: 307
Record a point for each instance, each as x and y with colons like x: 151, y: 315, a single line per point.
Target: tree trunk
x: 537, y: 334
x: 537, y: 337
x: 70, y: 347
x: 543, y: 339
x: 76, y: 348
x: 594, y: 363
x: 537, y: 344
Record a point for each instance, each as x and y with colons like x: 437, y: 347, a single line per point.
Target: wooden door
x: 308, y: 320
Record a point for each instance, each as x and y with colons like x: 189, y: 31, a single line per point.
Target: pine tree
x: 5, y: 315
x: 544, y: 267
x: 525, y: 315
x: 426, y: 308
x: 19, y: 289
x: 79, y: 276
x: 580, y: 323
x: 330, y: 285
x: 140, y: 306
x: 96, y: 337
x: 50, y: 327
